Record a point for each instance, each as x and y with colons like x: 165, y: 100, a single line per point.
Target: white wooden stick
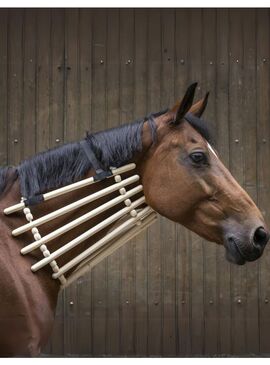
x: 76, y: 241
x: 14, y: 208
x: 104, y: 252
x: 85, y: 217
x: 79, y: 203
x: 113, y: 234
x: 67, y: 227
x: 71, y: 187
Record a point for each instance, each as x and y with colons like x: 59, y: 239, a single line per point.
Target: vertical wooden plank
x: 3, y: 86
x: 127, y: 303
x: 197, y: 262
x: 57, y: 45
x: 43, y: 80
x: 238, y: 282
x: 15, y: 86
x: 57, y: 76
x: 210, y: 249
x: 168, y: 228
x: 83, y: 315
x: 71, y: 124
x: 41, y: 122
x: 183, y: 331
x: 140, y: 109
x: 113, y: 119
x: 263, y: 171
x: 222, y: 138
x: 99, y: 283
x: 84, y: 118
x: 56, y: 343
x: 250, y: 170
x: 154, y: 241
x: 29, y: 84
x: 85, y: 75
x: 113, y: 307
x: 72, y: 84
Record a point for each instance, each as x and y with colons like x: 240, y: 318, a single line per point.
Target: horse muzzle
x: 241, y: 247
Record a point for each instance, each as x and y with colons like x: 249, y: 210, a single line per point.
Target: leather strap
x: 100, y: 173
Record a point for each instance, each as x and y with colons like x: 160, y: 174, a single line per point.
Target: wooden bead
x: 117, y: 178
x: 53, y: 264
x: 29, y: 217
x: 55, y: 269
x: 43, y: 248
x: 128, y: 202
x: 37, y: 236
x: 46, y: 253
x: 133, y: 213
x: 35, y: 230
x: 26, y: 211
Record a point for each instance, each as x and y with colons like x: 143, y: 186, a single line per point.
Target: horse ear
x: 198, y: 108
x: 185, y: 104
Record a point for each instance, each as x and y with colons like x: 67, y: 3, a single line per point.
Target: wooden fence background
x: 64, y: 71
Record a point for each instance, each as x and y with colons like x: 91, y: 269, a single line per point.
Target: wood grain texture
x: 238, y: 280
x: 65, y: 71
x: 140, y: 247
x: 98, y: 122
x: 263, y: 172
x: 154, y: 253
x: 222, y: 131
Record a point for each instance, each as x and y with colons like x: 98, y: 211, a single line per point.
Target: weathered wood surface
x: 168, y: 292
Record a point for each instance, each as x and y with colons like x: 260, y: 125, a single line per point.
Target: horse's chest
x: 26, y: 316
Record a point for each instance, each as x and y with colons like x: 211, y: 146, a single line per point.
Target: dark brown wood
x: 65, y: 71
x: 4, y: 87
x: 127, y: 254
x: 223, y: 142
x: 210, y: 251
x: 57, y: 39
x: 140, y: 109
x: 197, y: 262
x: 263, y: 172
x: 84, y: 61
x: 154, y: 239
x: 15, y: 88
x: 238, y: 278
x: 250, y: 168
x: 183, y: 292
x: 113, y: 119
x: 29, y: 84
x: 57, y: 76
x: 98, y: 122
x: 168, y: 235
x: 43, y: 79
x: 71, y: 123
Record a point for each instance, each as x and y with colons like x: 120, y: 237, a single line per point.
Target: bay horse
x: 183, y: 179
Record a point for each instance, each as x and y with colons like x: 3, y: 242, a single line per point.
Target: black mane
x: 66, y: 164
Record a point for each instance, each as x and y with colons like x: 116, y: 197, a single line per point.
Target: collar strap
x: 100, y: 173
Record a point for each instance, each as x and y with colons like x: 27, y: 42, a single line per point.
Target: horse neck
x: 40, y: 210
x: 44, y: 208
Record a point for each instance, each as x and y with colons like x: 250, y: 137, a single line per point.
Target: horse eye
x: 198, y: 157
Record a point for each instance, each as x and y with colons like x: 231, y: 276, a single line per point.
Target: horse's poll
x: 138, y: 216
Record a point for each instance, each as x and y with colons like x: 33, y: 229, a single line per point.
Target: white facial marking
x: 211, y: 149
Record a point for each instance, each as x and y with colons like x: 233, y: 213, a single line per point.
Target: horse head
x: 185, y: 181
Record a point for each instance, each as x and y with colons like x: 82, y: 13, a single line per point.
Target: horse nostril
x: 260, y: 237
